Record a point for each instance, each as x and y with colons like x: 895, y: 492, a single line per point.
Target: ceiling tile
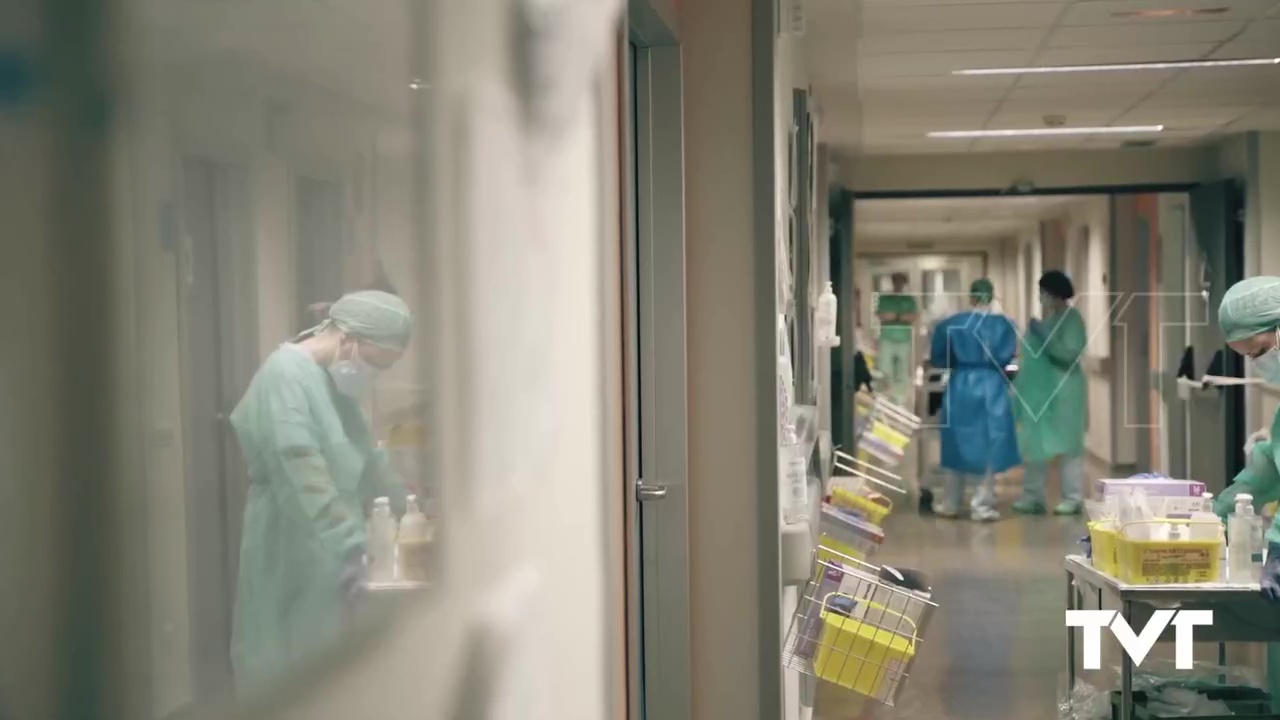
x: 1177, y: 119
x: 953, y: 41
x: 908, y: 64
x: 1237, y: 50
x: 1133, y: 54
x: 1091, y: 105
x: 898, y: 18
x: 911, y: 96
x: 981, y: 85
x: 1102, y: 12
x: 910, y: 149
x: 1020, y: 144
x: 1258, y: 119
x: 1096, y: 81
x: 1125, y: 35
x: 1006, y: 119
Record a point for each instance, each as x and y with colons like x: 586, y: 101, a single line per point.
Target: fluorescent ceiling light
x: 1179, y: 65
x: 1037, y: 132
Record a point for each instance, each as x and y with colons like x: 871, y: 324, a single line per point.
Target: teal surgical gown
x: 1050, y: 391
x: 312, y: 466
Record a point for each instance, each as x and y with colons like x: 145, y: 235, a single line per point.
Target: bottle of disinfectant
x: 414, y: 543
x: 382, y: 542
x: 1244, y: 553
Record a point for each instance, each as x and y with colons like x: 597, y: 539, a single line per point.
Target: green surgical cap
x: 1250, y: 307
x: 982, y: 291
x: 378, y: 317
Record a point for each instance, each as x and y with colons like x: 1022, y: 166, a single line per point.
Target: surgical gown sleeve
x: 306, y: 489
x: 1066, y: 340
x: 1260, y: 478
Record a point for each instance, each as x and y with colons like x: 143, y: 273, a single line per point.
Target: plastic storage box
x: 1166, y: 562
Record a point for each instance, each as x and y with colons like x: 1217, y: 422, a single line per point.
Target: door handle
x: 646, y: 492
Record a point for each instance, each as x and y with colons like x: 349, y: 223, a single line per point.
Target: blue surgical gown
x: 978, y: 433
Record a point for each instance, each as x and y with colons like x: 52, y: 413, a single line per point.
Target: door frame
x: 234, y: 275
x: 659, y: 657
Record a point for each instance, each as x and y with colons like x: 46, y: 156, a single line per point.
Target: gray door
x: 1216, y: 419
x: 1174, y: 302
x: 318, y: 232
x: 658, y: 607
x: 217, y: 358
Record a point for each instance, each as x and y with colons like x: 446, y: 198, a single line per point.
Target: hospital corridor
x: 643, y: 360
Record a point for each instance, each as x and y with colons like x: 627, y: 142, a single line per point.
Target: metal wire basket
x: 856, y: 630
x: 882, y: 429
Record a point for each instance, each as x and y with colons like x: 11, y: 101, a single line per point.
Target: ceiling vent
x: 1138, y: 143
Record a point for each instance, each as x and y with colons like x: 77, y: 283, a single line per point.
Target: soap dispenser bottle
x: 382, y: 542
x: 414, y: 542
x: 826, y: 318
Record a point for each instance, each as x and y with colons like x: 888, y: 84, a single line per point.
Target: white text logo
x: 1138, y: 645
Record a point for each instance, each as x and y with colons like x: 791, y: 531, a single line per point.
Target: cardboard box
x: 1152, y: 487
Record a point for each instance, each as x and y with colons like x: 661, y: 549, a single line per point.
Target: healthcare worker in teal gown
x: 978, y: 439
x: 1049, y: 399
x: 313, y: 466
x: 897, y: 312
x: 1249, y: 318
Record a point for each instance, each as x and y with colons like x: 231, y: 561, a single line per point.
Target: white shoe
x: 986, y: 514
x: 946, y: 511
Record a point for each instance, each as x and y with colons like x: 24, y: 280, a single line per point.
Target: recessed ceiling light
x: 1177, y: 65
x: 1041, y: 132
x: 1169, y: 12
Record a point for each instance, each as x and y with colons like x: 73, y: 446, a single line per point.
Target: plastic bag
x: 1170, y: 692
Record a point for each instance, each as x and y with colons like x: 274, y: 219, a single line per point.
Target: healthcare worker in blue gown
x: 978, y: 436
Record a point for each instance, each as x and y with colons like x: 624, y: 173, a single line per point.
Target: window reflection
x: 275, y: 223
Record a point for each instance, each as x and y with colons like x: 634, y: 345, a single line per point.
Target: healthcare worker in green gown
x: 1249, y: 318
x: 897, y: 312
x: 313, y: 466
x: 1049, y: 399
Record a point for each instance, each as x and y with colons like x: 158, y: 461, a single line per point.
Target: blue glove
x: 1271, y: 574
x: 353, y: 576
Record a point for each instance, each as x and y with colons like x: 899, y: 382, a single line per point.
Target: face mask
x: 353, y: 377
x: 1268, y: 364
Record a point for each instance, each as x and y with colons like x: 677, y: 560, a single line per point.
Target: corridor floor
x: 996, y: 648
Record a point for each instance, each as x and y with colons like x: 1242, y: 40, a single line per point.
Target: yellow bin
x: 831, y: 550
x: 1103, y: 542
x: 1168, y: 562
x: 860, y: 656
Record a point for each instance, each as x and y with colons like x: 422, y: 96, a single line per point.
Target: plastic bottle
x: 382, y: 542
x: 1244, y: 543
x: 825, y: 322
x: 414, y: 542
x: 795, y: 476
x: 1205, y: 524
